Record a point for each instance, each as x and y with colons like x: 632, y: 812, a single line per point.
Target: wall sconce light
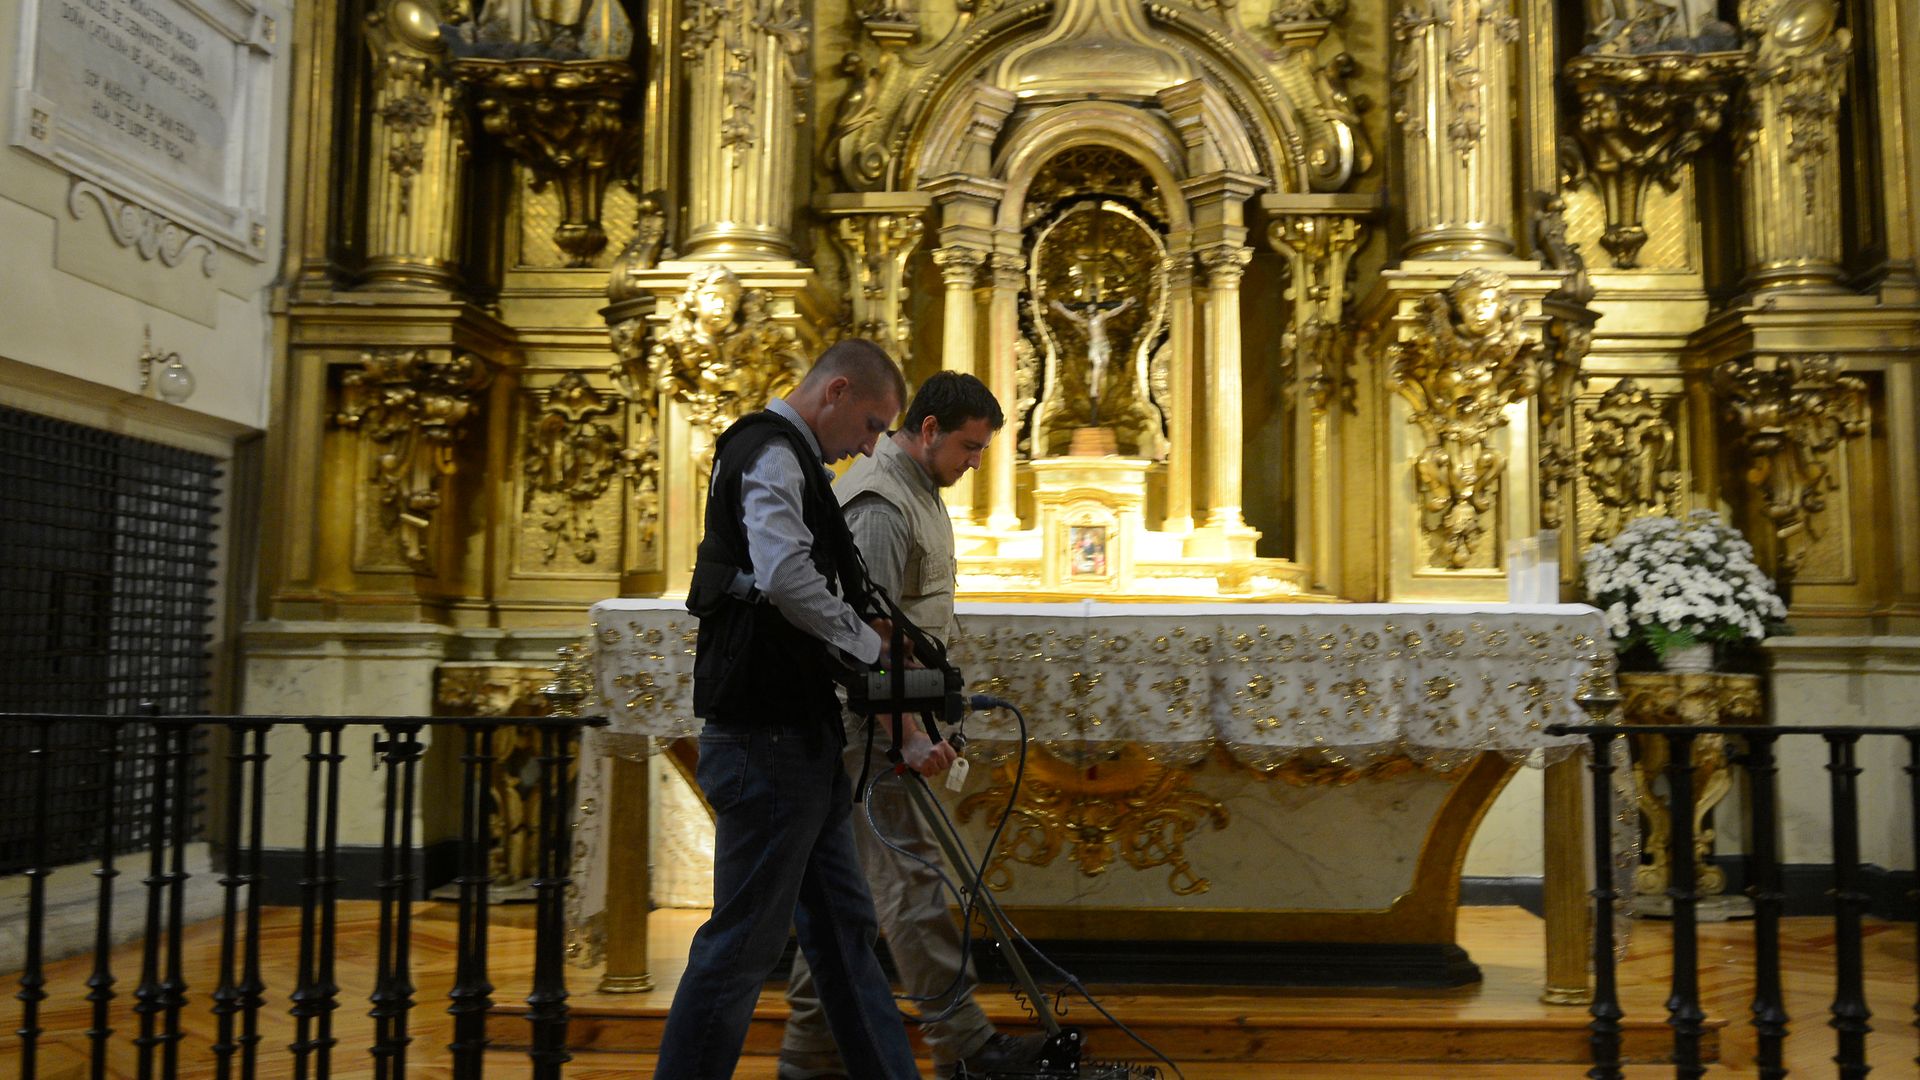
x: 174, y: 383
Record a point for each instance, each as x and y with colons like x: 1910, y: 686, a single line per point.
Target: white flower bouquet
x: 1678, y: 583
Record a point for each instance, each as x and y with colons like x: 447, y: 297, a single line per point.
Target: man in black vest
x: 770, y: 585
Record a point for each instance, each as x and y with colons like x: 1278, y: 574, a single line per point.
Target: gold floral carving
x: 734, y: 26
x: 642, y: 253
x: 722, y: 354
x: 566, y: 122
x: 416, y: 408
x: 1127, y: 806
x: 1642, y: 118
x: 571, y: 458
x: 1311, y: 770
x: 1792, y: 413
x: 847, y: 152
x: 1464, y: 361
x: 1632, y: 457
x: 1699, y: 700
x: 1336, y: 147
x: 1317, y: 350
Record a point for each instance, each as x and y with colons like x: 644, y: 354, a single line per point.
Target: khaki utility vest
x: 928, y: 579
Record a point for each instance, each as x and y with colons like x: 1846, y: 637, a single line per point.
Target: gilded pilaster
x: 747, y: 67
x: 414, y: 206
x: 1318, y: 237
x: 1789, y: 145
x: 1450, y: 75
x: 1007, y: 270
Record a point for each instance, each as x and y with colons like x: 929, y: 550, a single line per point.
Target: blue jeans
x: 782, y: 855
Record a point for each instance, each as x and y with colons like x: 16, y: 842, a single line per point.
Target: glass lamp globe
x: 174, y: 382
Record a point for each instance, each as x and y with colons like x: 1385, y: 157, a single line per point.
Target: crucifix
x: 1091, y: 319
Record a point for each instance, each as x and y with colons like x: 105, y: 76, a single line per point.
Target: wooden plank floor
x: 1505, y: 941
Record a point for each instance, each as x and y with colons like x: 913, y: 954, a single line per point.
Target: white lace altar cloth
x: 1264, y: 681
x: 1351, y: 683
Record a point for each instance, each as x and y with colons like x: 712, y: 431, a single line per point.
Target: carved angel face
x: 1479, y: 310
x: 714, y: 305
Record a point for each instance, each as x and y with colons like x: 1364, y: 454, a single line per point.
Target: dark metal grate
x: 106, y: 600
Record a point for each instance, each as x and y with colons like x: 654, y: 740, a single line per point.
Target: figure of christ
x: 1092, y: 321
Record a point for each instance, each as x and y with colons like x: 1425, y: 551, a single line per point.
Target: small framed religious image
x: 1087, y: 550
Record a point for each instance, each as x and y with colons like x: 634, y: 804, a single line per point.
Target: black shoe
x: 1002, y: 1053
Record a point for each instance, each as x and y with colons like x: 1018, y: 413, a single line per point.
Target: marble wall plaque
x: 166, y: 103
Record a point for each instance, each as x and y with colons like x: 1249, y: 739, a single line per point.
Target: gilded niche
x: 572, y: 456
x: 1464, y: 361
x: 414, y: 409
x: 1632, y: 457
x: 1096, y: 306
x: 1792, y: 413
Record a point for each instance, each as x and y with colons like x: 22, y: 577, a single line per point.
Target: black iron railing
x: 237, y: 1002
x: 1849, y: 1013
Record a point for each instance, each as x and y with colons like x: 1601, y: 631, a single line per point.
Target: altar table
x: 1164, y: 738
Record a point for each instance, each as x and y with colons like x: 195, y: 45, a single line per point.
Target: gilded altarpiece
x: 1279, y: 306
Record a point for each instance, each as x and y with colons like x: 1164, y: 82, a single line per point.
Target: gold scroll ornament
x: 1465, y: 361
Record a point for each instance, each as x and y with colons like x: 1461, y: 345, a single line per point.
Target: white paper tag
x: 957, y: 774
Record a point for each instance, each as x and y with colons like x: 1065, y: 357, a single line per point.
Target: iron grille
x: 106, y: 600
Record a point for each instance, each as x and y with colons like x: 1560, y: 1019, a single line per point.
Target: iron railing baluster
x: 399, y: 753
x: 1850, y: 1012
x: 149, y: 995
x: 252, y: 986
x: 1604, y: 1042
x: 173, y: 990
x: 1763, y: 851
x: 226, y: 996
x: 471, y: 996
x: 327, y: 985
x: 1684, y: 1013
x: 100, y: 983
x: 547, y: 1003
x: 33, y: 979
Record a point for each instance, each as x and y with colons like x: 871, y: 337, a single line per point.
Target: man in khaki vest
x: 899, y: 523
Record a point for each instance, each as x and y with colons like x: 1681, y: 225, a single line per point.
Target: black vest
x: 752, y: 666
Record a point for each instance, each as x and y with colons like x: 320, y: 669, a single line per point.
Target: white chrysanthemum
x: 1694, y: 576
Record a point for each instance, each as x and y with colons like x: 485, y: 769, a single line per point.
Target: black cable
x: 1071, y: 980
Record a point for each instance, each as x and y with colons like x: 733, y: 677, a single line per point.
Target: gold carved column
x: 1451, y: 73
x: 1224, y: 264
x: 1218, y: 203
x: 413, y: 194
x: 960, y: 267
x: 1318, y: 235
x: 746, y: 65
x: 1705, y: 700
x: 1789, y: 145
